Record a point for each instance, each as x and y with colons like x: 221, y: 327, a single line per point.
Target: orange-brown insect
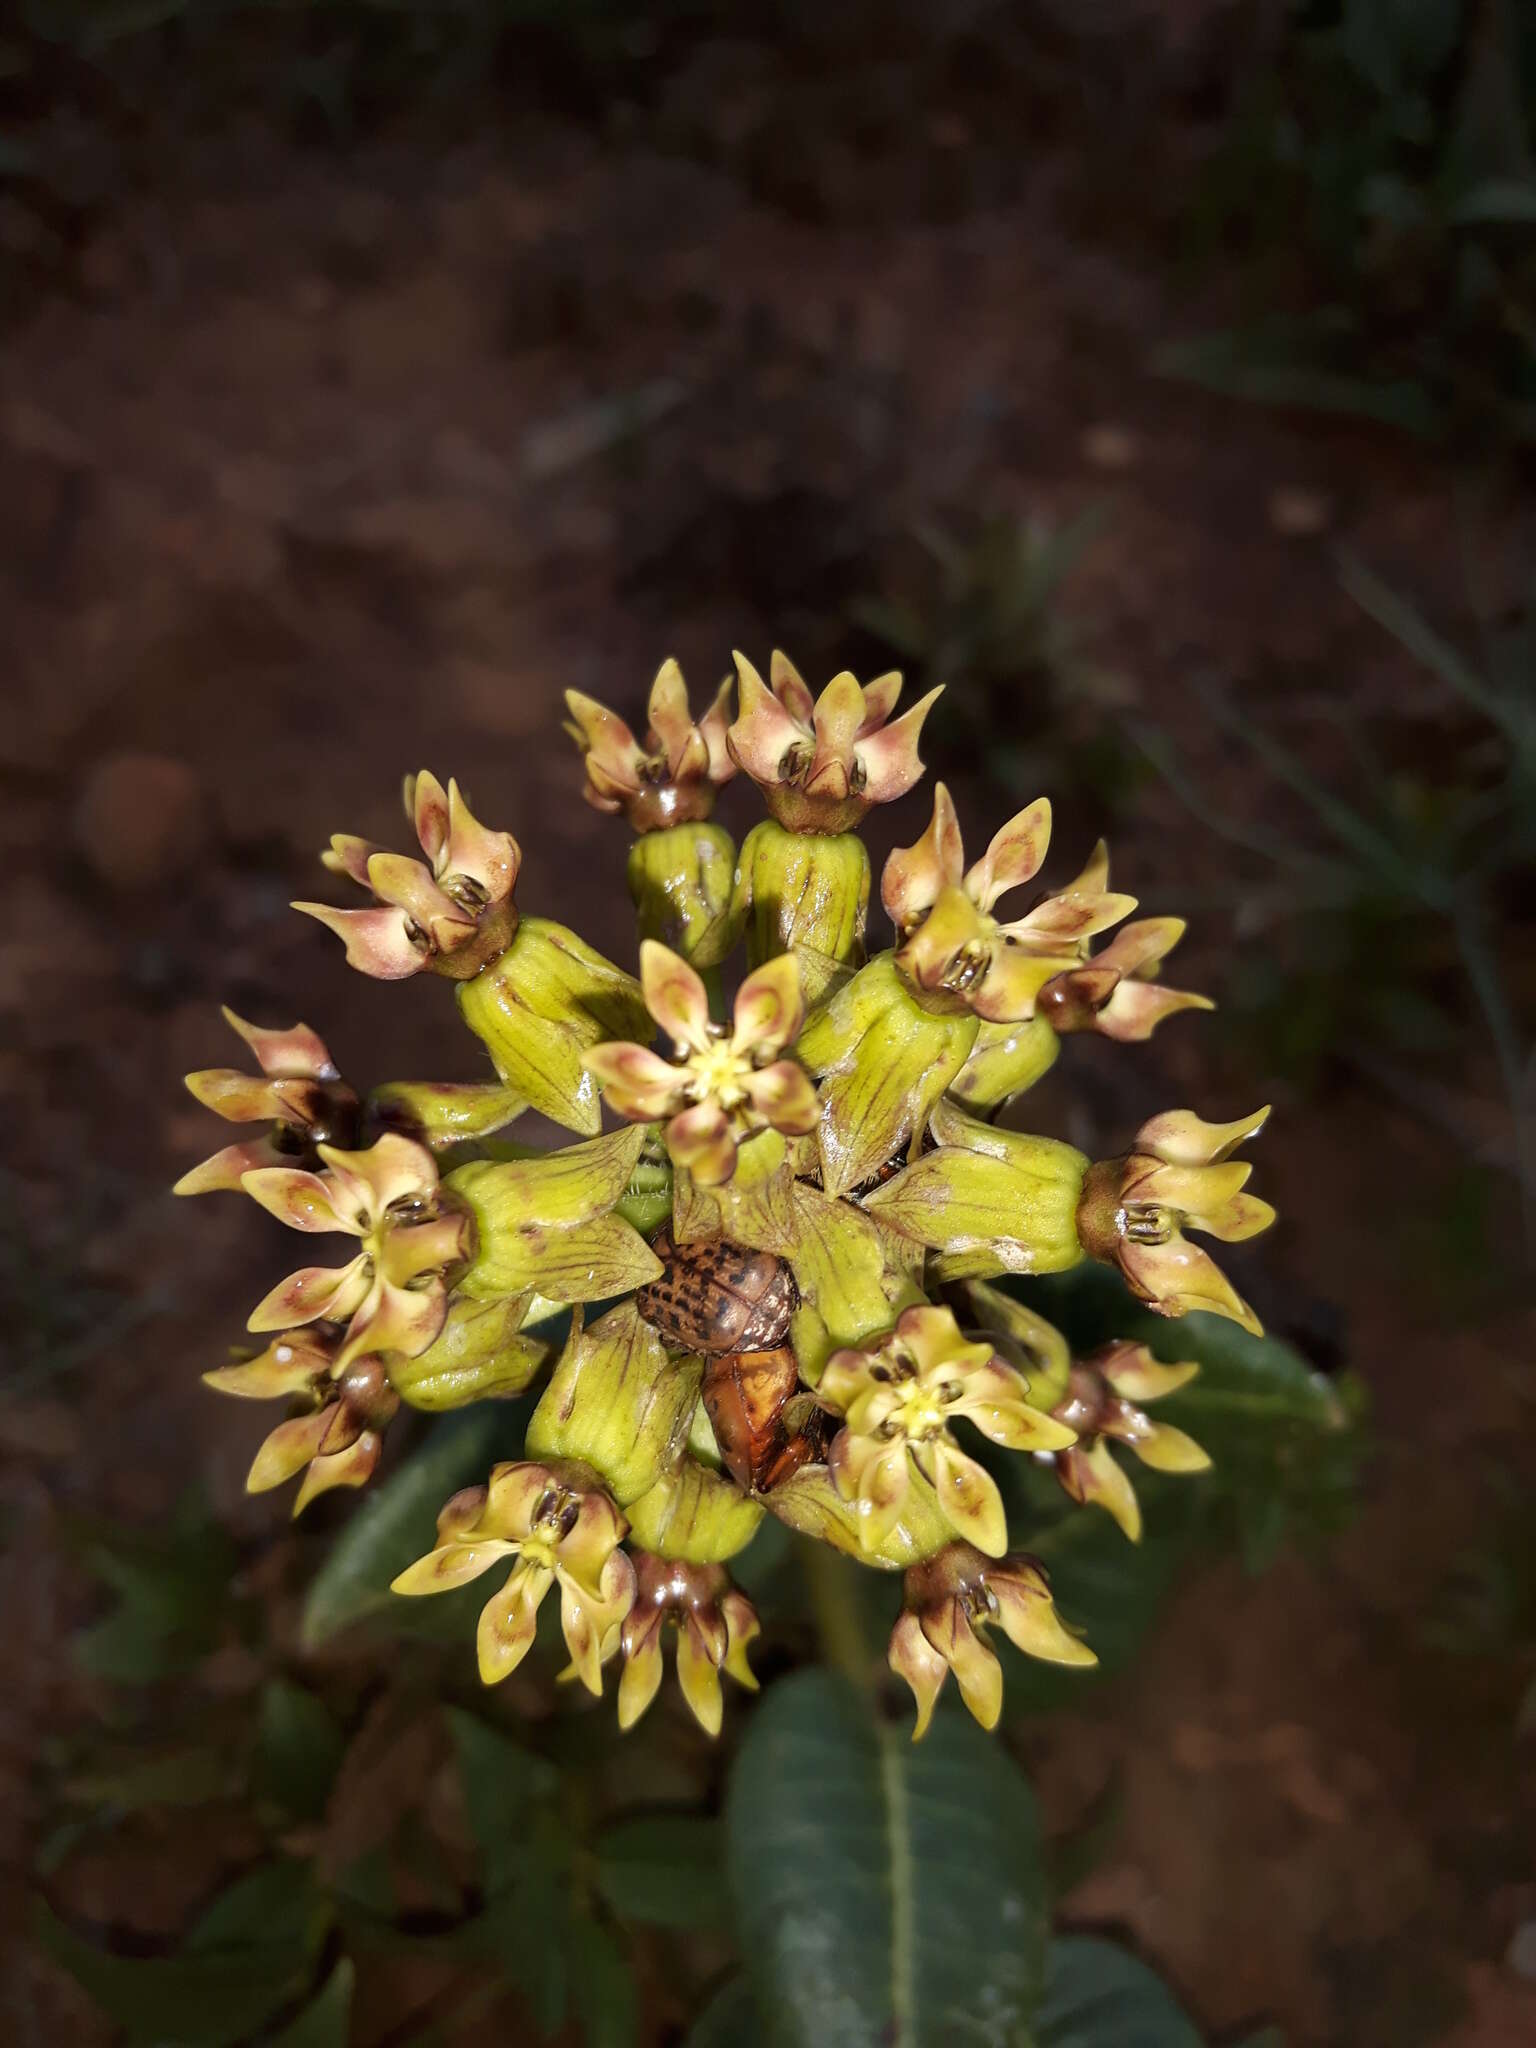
x: 734, y: 1305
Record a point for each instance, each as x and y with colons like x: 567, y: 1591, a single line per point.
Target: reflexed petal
x: 968, y: 1497
x: 1184, y: 1139
x: 1136, y: 1008
x: 976, y: 1669
x: 393, y: 1169
x: 838, y: 716
x: 914, y: 1658
x: 880, y: 700
x: 890, y: 758
x: 227, y: 1168
x: 1009, y: 991
x: 1142, y: 945
x: 287, y: 1364
x: 1003, y: 1413
x: 410, y: 886
x: 699, y: 1676
x: 875, y: 1477
x: 1167, y: 1449
x: 640, y: 1679
x: 1028, y: 1615
x: 769, y: 1009
x: 1015, y: 856
x: 763, y: 730
x: 287, y: 1450
x: 606, y: 740
x: 403, y: 1319
x: 674, y: 995
x: 509, y: 1619
x: 348, y: 855
x: 353, y: 1466
x: 701, y: 1140
x: 304, y: 1201
x: 933, y: 1337
x: 1068, y: 919
x: 785, y: 1094
x: 636, y: 1082
x: 913, y: 876
x: 713, y: 728
x: 790, y: 688
x: 238, y: 1098
x: 741, y: 1628
x: 1093, y: 1477
x: 1134, y: 1372
x: 426, y: 804
x: 586, y: 1551
x: 309, y: 1294
x: 1176, y: 1277
x: 450, y: 1565
x: 930, y: 952
x: 588, y: 1621
x: 490, y: 859
x: 378, y: 942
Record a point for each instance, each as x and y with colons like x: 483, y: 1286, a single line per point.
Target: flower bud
x: 987, y: 1200
x: 478, y: 1355
x: 619, y: 1402
x: 883, y: 1054
x: 694, y: 1514
x: 1005, y: 1061
x: 445, y: 1113
x: 539, y: 1006
x: 548, y: 1224
x: 683, y: 884
x: 803, y: 893
x: 1031, y: 1344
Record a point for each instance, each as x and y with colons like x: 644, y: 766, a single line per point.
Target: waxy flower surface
x: 300, y: 1095
x: 670, y: 777
x: 338, y: 1438
x: 1116, y: 992
x: 1101, y: 1405
x: 712, y: 1623
x: 723, y: 1086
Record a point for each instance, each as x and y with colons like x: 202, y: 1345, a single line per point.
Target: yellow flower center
x: 538, y: 1548
x: 717, y: 1074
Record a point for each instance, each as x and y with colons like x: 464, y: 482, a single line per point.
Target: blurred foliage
x: 1379, y: 169
x: 986, y: 612
x: 1487, y: 1606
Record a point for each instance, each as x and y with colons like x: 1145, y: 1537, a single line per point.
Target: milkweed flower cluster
x: 765, y: 1282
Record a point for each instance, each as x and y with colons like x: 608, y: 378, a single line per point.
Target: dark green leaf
x: 884, y: 1890
x: 299, y: 1750
x: 603, y: 1991
x: 327, y: 2021
x: 277, y: 1904
x: 667, y: 1869
x: 1097, y: 1996
x: 502, y: 1782
x: 728, y: 2021
x: 397, y: 1523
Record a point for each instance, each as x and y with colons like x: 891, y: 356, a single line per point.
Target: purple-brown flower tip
x: 338, y: 1433
x: 713, y: 1624
x: 950, y: 1600
x: 670, y: 777
x: 723, y: 1086
x: 897, y: 1401
x: 823, y: 762
x: 1116, y: 991
x: 392, y: 1296
x: 1178, y: 1176
x: 558, y: 1526
x: 451, y: 913
x: 299, y: 1093
x: 948, y: 939
x: 1103, y: 1405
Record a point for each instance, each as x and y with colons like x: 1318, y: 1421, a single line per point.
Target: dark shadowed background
x: 1162, y: 378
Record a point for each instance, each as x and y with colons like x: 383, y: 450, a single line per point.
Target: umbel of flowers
x: 763, y: 1284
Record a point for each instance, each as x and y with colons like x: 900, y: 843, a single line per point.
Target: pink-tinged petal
x: 714, y: 725
x: 354, y: 1466
x: 378, y: 942
x: 951, y: 927
x: 977, y: 1671
x: 1136, y: 1008
x: 914, y: 876
x: 296, y: 1054
x: 890, y: 758
x: 672, y: 726
x: 489, y: 859
x: 1091, y: 1476
x: 509, y: 1619
x: 698, y: 1674
x: 392, y: 1169
x: 287, y: 1450
x: 606, y: 741
x: 401, y: 1319
x: 426, y: 805
x: 1068, y: 919
x: 785, y: 1097
x: 1015, y: 856
x: 880, y: 699
x: 769, y: 1007
x: 763, y: 731
x: 791, y: 689
x: 701, y: 1140
x: 410, y: 887
x: 838, y: 715
x: 1139, y: 947
x: 228, y: 1168
x: 913, y: 1657
x: 1029, y: 1617
x: 636, y: 1082
x: 348, y: 855
x: 1184, y: 1139
x: 304, y: 1201
x: 311, y: 1293
x: 1178, y: 1277
x: 289, y: 1364
x: 413, y: 1249
x: 968, y: 1497
x: 1094, y: 879
x: 674, y: 995
x: 1010, y: 989
x: 451, y: 1564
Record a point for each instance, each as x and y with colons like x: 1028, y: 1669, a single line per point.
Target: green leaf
x: 299, y: 1750
x: 602, y: 1989
x: 884, y: 1890
x: 275, y: 1905
x: 728, y: 2021
x: 397, y: 1523
x: 667, y: 1869
x: 502, y: 1784
x: 327, y: 2021
x: 1097, y: 1996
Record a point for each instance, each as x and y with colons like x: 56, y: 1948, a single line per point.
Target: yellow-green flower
x: 942, y: 911
x: 560, y: 1529
x: 668, y: 779
x: 1178, y: 1175
x: 898, y: 1401
x: 392, y: 1295
x: 1115, y: 992
x: 713, y: 1625
x: 722, y: 1087
x: 300, y: 1095
x: 340, y: 1433
x: 1101, y: 1404
x: 949, y: 1600
x: 452, y: 915
x: 823, y: 762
